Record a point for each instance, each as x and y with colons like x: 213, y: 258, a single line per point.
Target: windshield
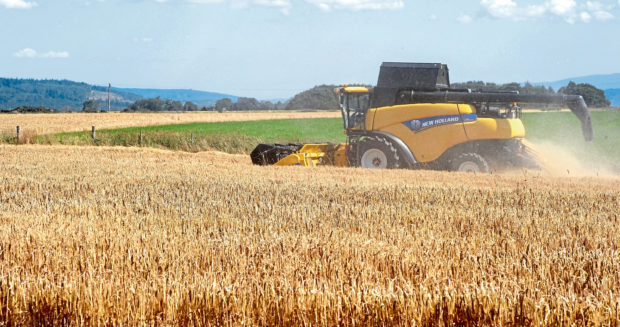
x: 354, y: 107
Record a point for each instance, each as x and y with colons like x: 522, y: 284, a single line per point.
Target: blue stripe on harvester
x: 419, y: 125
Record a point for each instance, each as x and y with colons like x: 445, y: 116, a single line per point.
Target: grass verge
x: 231, y: 137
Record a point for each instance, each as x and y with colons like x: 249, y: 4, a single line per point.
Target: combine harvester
x: 413, y: 119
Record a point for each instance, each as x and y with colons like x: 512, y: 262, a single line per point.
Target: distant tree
x: 151, y: 104
x: 90, y: 106
x: 190, y: 106
x: 480, y: 86
x: 531, y: 89
x: 510, y: 87
x: 266, y: 105
x: 279, y: 105
x: 246, y: 104
x: 318, y: 97
x: 31, y: 109
x: 593, y: 96
x: 173, y: 105
x: 223, y: 104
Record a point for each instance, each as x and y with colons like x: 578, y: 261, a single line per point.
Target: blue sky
x: 276, y: 48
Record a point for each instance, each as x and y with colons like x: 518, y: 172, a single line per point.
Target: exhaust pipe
x: 574, y: 102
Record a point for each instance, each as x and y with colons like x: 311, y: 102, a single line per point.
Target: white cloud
x: 19, y: 4
x: 500, y: 8
x: 464, y: 19
x: 31, y: 53
x: 510, y: 9
x: 198, y: 1
x: 355, y: 5
x: 599, y: 10
x: 585, y: 17
x: 25, y: 53
x: 562, y: 7
x: 594, y: 5
x: 283, y: 5
x: 533, y: 11
x: 568, y: 10
x: 603, y: 15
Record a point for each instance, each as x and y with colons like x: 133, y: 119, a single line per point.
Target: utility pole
x: 109, y: 86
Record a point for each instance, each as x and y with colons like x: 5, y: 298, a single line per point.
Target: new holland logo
x: 419, y: 125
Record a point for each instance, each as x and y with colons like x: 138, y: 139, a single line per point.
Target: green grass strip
x: 560, y: 128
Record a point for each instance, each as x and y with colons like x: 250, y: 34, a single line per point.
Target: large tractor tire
x: 470, y: 162
x: 377, y: 152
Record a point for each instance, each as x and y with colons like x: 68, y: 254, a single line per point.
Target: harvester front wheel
x: 378, y: 153
x: 470, y: 163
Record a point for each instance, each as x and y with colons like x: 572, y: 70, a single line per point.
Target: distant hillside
x: 610, y: 83
x: 67, y: 95
x: 57, y: 94
x: 603, y: 82
x: 201, y: 98
x: 614, y: 96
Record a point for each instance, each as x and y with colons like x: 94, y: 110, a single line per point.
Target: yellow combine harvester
x: 413, y: 119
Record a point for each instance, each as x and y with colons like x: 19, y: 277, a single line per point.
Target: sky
x: 273, y: 49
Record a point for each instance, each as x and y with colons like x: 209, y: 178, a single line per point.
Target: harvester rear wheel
x: 378, y: 153
x: 470, y: 162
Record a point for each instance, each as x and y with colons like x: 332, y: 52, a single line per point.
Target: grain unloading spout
x: 578, y: 106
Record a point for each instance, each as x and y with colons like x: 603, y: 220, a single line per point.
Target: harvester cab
x: 354, y: 104
x: 414, y: 119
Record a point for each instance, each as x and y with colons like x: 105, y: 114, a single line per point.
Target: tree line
x: 593, y: 96
x: 321, y: 97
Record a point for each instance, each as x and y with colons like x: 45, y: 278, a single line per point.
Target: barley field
x: 72, y: 122
x: 136, y: 236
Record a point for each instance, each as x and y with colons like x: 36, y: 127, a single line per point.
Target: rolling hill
x: 61, y: 95
x: 610, y: 83
x: 65, y: 95
x: 201, y: 98
x: 603, y: 82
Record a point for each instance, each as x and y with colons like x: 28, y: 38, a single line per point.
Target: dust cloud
x: 561, y: 160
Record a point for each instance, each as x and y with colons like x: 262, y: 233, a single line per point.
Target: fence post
x: 18, y: 132
x: 192, y: 138
x: 92, y: 133
x: 140, y: 138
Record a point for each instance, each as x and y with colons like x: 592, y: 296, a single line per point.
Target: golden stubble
x: 135, y: 236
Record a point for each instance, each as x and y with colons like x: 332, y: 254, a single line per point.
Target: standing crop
x: 93, y: 236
